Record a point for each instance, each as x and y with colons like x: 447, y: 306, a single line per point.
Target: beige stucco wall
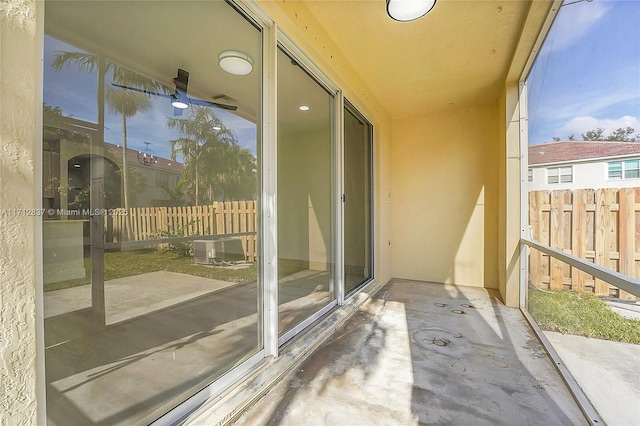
x: 18, y: 110
x: 444, y: 197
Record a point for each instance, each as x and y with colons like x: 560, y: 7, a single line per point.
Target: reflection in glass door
x: 150, y: 241
x: 305, y: 193
x: 357, y: 199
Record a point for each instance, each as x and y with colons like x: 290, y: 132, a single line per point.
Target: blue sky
x: 587, y: 74
x: 75, y: 92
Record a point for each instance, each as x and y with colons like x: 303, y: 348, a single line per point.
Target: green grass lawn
x: 582, y: 314
x: 128, y: 263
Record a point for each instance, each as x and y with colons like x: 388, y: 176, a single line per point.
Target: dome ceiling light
x: 409, y: 10
x: 236, y: 63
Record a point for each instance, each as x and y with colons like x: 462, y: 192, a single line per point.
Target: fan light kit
x: 178, y: 102
x: 409, y: 10
x: 179, y: 99
x: 236, y: 63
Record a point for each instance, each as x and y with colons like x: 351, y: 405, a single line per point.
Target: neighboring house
x: 584, y: 164
x: 163, y: 173
x: 67, y: 174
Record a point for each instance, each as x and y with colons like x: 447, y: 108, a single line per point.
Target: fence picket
x: 578, y: 236
x: 557, y: 237
x: 536, y: 270
x: 627, y: 245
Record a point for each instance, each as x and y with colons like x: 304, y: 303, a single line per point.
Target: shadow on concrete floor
x: 423, y: 353
x: 167, y: 336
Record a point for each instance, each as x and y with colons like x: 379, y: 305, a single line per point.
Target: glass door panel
x: 305, y: 194
x: 357, y: 199
x: 151, y: 248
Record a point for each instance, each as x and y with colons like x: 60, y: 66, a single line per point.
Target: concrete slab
x: 167, y: 336
x: 608, y: 373
x: 421, y: 353
x: 629, y: 310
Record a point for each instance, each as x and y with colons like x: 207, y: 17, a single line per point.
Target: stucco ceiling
x: 456, y: 55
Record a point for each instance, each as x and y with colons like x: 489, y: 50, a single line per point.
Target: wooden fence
x: 148, y: 223
x: 602, y: 226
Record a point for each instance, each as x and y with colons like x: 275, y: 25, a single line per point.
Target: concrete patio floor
x: 167, y: 336
x: 422, y: 353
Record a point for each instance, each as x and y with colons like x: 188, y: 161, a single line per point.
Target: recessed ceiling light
x: 236, y: 63
x: 304, y: 108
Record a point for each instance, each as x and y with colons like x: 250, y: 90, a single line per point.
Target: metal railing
x: 616, y: 279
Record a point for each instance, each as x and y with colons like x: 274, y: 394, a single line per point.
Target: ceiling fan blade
x: 135, y: 89
x: 215, y: 104
x: 182, y: 80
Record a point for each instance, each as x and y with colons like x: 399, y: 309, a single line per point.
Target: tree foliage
x: 621, y: 134
x: 215, y: 166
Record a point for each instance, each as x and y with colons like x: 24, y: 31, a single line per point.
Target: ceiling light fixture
x: 304, y: 108
x: 236, y: 63
x: 147, y: 157
x: 409, y: 10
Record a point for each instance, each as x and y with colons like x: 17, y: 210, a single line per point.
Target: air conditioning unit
x: 204, y: 251
x: 207, y: 252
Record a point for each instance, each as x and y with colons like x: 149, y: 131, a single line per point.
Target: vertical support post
x: 98, y: 306
x: 338, y: 252
x: 523, y: 163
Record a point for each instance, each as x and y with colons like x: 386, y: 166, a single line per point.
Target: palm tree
x: 126, y: 103
x: 206, y: 140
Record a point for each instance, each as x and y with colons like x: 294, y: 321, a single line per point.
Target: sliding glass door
x: 151, y: 158
x: 305, y: 193
x: 357, y: 199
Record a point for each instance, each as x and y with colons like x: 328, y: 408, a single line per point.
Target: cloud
x: 587, y: 102
x: 577, y: 21
x: 580, y: 125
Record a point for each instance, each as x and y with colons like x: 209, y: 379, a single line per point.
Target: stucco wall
x: 18, y: 100
x: 444, y: 197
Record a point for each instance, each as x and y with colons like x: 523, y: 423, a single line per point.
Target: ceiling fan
x: 179, y: 99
